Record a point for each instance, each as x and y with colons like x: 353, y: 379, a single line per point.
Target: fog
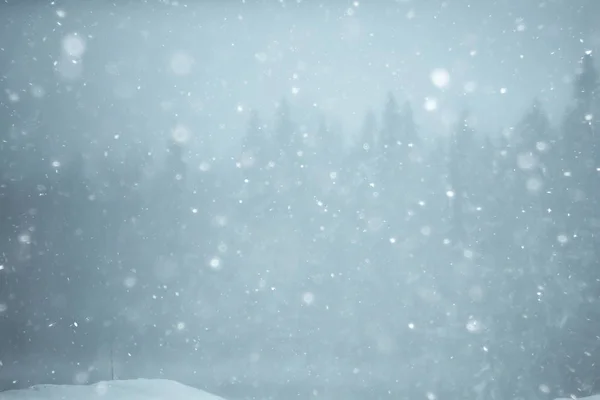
x: 275, y: 199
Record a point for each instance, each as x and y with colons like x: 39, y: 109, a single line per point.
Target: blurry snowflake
x: 440, y: 77
x: 308, y: 298
x: 562, y: 239
x: 25, y: 238
x: 37, y: 91
x: 470, y: 87
x: 261, y: 57
x: 220, y: 220
x: 473, y: 325
x: 181, y: 64
x: 130, y: 282
x: 13, y: 97
x: 542, y: 146
x: 204, y: 166
x: 534, y: 185
x: 254, y: 357
x: 180, y: 134
x: 526, y: 161
x: 430, y: 104
x: 247, y: 160
x: 73, y: 45
x: 215, y: 263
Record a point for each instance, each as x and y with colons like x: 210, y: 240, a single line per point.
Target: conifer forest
x: 361, y: 219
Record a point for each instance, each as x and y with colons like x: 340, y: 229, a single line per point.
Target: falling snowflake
x: 181, y: 64
x: 215, y: 263
x: 308, y: 298
x: 73, y: 45
x: 430, y: 104
x: 440, y: 77
x: 180, y: 134
x: 562, y: 239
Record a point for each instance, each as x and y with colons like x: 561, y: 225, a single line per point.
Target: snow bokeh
x: 300, y: 200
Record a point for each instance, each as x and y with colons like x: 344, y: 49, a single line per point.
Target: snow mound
x: 592, y: 397
x: 136, y: 389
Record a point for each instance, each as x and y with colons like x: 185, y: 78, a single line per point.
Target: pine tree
x: 530, y: 184
x: 257, y: 167
x: 397, y: 153
x: 390, y: 157
x: 461, y: 149
x: 408, y: 127
x: 579, y: 243
x: 285, y: 130
x: 368, y: 133
x: 255, y: 146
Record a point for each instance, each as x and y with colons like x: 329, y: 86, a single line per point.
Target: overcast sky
x: 225, y: 57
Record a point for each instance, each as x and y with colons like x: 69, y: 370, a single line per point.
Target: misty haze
x: 276, y: 199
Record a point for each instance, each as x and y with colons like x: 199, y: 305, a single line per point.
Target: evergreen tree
x: 285, y: 130
x: 530, y: 182
x: 255, y: 145
x: 361, y: 164
x: 257, y: 169
x: 579, y: 243
x: 408, y: 127
x: 327, y: 145
x: 461, y: 150
x: 74, y: 243
x: 368, y: 133
x: 390, y: 156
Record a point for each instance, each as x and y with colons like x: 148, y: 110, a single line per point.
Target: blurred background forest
x: 463, y: 262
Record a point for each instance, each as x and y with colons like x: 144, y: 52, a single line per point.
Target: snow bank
x: 137, y: 389
x: 592, y: 397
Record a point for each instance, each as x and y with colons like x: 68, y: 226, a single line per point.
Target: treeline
x: 471, y: 264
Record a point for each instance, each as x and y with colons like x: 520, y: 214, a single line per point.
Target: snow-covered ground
x: 135, y: 389
x: 235, y: 378
x: 138, y: 389
x: 317, y: 372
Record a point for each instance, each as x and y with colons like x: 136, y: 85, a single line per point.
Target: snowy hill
x: 137, y: 389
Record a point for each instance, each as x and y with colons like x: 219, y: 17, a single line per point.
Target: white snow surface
x: 592, y: 397
x: 135, y: 389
